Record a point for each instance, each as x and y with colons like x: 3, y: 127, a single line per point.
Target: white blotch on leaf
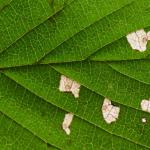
x: 67, y: 122
x: 145, y: 105
x: 110, y: 112
x: 144, y: 120
x: 138, y: 40
x: 68, y: 85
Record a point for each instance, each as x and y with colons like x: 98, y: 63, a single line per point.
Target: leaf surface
x: 120, y: 50
x: 14, y: 136
x: 25, y: 15
x: 104, y: 80
x: 44, y: 120
x: 98, y: 36
x: 86, y: 41
x: 64, y: 25
x: 4, y: 3
x: 43, y: 81
x: 139, y: 69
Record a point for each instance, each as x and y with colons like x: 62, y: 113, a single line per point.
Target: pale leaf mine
x: 145, y: 105
x: 138, y: 40
x: 110, y: 112
x: 67, y: 122
x: 68, y: 85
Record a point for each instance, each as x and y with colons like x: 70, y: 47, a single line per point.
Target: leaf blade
x: 102, y: 33
x: 138, y: 69
x: 13, y: 136
x: 47, y: 36
x: 25, y: 16
x: 32, y: 79
x: 46, y: 121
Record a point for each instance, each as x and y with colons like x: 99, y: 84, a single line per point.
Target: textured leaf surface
x: 44, y: 82
x: 120, y: 50
x: 101, y: 78
x: 139, y: 69
x: 61, y: 27
x: 21, y: 17
x: 44, y: 120
x: 4, y: 3
x: 14, y: 136
x: 102, y: 33
x: 86, y: 41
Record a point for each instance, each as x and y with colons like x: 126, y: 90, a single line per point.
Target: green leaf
x: 86, y: 41
x: 45, y: 120
x: 102, y: 79
x: 44, y: 81
x: 65, y: 24
x: 139, y: 69
x: 4, y: 3
x: 102, y: 33
x: 120, y: 50
x: 21, y: 17
x: 14, y: 136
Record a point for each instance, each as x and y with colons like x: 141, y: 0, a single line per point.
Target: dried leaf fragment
x: 145, y: 105
x: 138, y: 40
x: 67, y: 122
x: 68, y: 85
x: 110, y: 112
